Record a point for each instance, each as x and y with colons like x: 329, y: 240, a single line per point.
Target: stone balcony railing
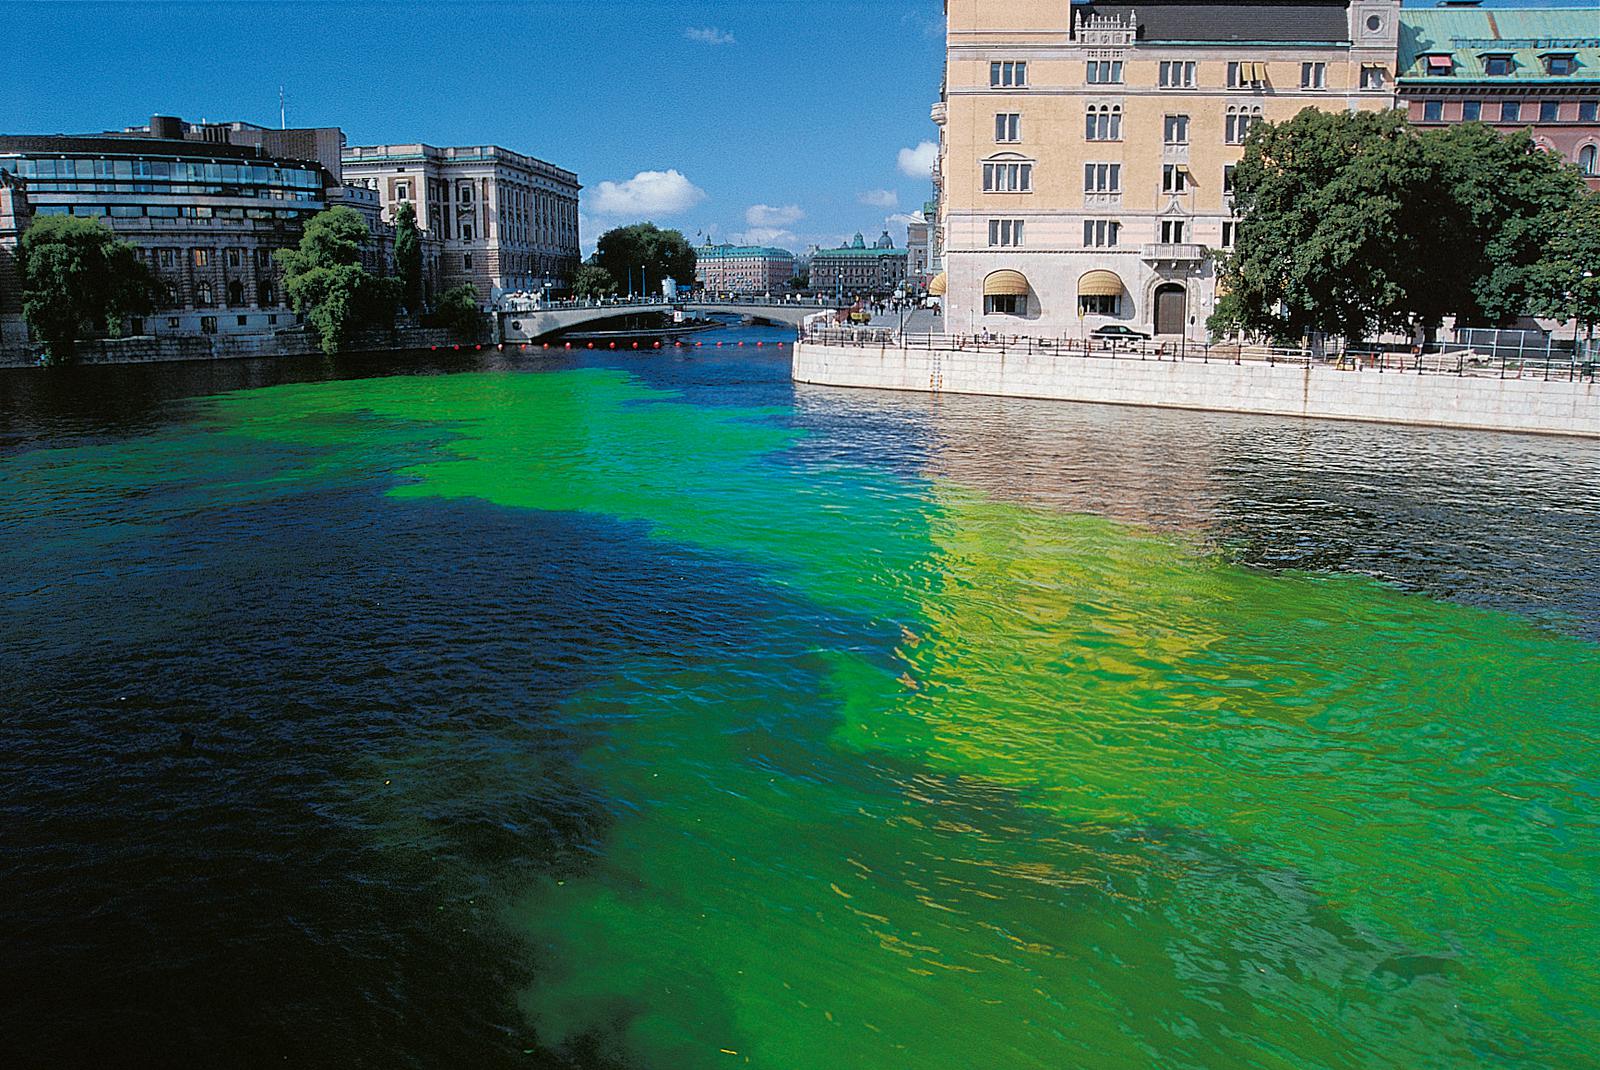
x: 940, y: 113
x: 1176, y: 253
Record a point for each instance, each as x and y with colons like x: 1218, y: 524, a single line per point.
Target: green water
x: 1007, y: 786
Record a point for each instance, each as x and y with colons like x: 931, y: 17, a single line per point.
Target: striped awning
x: 1100, y: 284
x: 939, y: 285
x: 1005, y: 284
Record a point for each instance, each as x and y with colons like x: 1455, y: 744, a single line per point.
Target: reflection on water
x: 653, y: 714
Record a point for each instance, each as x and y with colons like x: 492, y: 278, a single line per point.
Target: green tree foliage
x: 661, y: 253
x: 1565, y: 283
x: 326, y: 283
x: 1355, y: 224
x: 801, y: 281
x: 592, y: 281
x: 461, y: 310
x: 408, y: 257
x: 79, y: 280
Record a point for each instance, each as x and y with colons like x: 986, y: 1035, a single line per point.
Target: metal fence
x: 1441, y: 359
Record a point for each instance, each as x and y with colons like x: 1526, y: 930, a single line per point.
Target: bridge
x: 532, y: 324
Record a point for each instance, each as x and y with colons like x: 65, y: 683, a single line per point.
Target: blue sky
x: 776, y: 120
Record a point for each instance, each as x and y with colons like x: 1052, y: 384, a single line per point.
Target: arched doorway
x: 1171, y: 309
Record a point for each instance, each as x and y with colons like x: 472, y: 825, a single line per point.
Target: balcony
x: 941, y: 112
x: 1168, y: 253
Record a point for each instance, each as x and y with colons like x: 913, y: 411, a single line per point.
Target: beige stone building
x: 506, y: 222
x: 1086, y: 149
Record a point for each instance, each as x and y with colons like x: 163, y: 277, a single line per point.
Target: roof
x: 858, y: 254
x: 731, y: 252
x: 119, y: 145
x: 1468, y: 34
x: 1232, y: 20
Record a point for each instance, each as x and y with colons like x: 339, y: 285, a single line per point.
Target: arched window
x: 1589, y: 161
x: 1103, y: 122
x: 1008, y: 173
x: 264, y: 295
x: 202, y: 294
x: 235, y: 293
x: 1240, y: 118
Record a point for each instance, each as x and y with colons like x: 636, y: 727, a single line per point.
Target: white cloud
x: 903, y: 219
x: 709, y: 35
x: 919, y: 162
x: 765, y: 236
x: 765, y: 215
x: 880, y: 198
x: 648, y: 193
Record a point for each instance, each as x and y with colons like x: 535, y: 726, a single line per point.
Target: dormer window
x: 1441, y: 63
x: 1497, y: 65
x: 1560, y: 63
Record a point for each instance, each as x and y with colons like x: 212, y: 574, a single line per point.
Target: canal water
x: 606, y: 710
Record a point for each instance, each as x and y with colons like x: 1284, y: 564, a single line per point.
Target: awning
x: 1100, y: 284
x: 1005, y: 284
x: 939, y: 285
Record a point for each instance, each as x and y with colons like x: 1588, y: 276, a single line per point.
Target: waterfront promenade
x: 1463, y: 388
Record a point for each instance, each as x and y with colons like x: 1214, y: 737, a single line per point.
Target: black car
x: 1118, y: 333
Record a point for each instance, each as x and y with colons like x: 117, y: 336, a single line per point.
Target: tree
x: 461, y: 310
x: 326, y: 283
x: 802, y: 281
x: 646, y: 254
x: 79, y: 280
x: 408, y: 257
x: 592, y: 281
x: 1564, y: 284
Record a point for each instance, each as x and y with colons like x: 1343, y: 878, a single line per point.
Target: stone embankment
x: 1446, y: 393
x: 287, y: 343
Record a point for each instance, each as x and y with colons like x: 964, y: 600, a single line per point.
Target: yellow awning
x: 1100, y: 284
x: 1005, y: 284
x: 939, y: 285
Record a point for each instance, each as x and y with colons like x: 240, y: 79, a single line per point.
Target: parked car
x: 1116, y: 332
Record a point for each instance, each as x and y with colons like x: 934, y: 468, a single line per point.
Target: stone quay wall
x: 176, y: 347
x: 1482, y: 400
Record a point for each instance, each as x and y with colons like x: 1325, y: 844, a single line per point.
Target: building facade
x: 1086, y: 149
x: 15, y: 214
x: 205, y: 215
x: 1510, y: 68
x: 855, y: 270
x: 743, y: 269
x: 506, y: 223
x: 919, y: 250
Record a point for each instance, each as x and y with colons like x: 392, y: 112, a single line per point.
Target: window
x: 1510, y: 111
x: 1175, y: 130
x: 243, y: 320
x: 1005, y: 305
x: 166, y: 258
x: 1560, y: 63
x: 1230, y: 234
x: 1101, y: 233
x: 1441, y: 63
x: 466, y: 232
x: 1102, y: 178
x: 1095, y: 305
x: 202, y: 257
x: 1172, y: 231
x: 1227, y: 179
x: 466, y: 262
x: 172, y: 323
x: 1103, y: 123
x: 1008, y: 75
x: 1374, y: 23
x: 1008, y: 126
x: 1008, y: 178
x: 1246, y: 75
x: 1177, y: 74
x: 1497, y: 66
x: 1471, y: 111
x: 1005, y: 233
x: 1432, y: 111
x: 126, y: 211
x: 464, y: 193
x: 1373, y: 76
x: 1105, y: 71
x: 1238, y: 121
x: 1589, y: 111
x: 235, y: 258
x: 202, y: 294
x: 1174, y: 178
x: 1589, y: 161
x: 1549, y: 111
x: 208, y: 325
x: 1313, y: 76
x: 402, y: 191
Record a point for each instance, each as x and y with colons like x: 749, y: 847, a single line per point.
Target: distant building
x: 506, y: 222
x: 856, y: 270
x: 15, y: 214
x: 743, y: 269
x: 919, y: 249
x: 1510, y: 68
x: 204, y: 213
